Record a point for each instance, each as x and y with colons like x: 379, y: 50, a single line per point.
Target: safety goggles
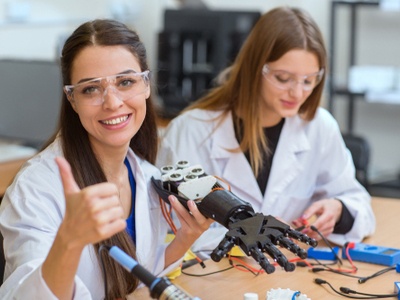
x: 285, y: 80
x: 125, y: 86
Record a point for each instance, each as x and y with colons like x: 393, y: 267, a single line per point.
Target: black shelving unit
x: 384, y: 189
x: 334, y: 89
x: 193, y: 47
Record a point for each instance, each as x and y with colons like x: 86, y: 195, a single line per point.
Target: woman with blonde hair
x: 262, y: 130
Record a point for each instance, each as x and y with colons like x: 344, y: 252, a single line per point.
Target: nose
x: 111, y: 99
x: 296, y: 90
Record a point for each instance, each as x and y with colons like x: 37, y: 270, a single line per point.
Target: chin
x: 289, y: 114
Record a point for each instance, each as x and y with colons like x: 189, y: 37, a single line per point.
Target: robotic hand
x: 253, y: 232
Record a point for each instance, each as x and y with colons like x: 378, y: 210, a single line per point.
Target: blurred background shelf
x: 384, y: 187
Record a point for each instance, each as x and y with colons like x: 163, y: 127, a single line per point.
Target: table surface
x: 233, y: 284
x: 12, y: 157
x: 7, y: 172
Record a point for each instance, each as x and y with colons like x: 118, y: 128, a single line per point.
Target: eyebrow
x: 128, y: 71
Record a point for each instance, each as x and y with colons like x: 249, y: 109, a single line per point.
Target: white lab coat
x: 32, y: 211
x: 311, y: 162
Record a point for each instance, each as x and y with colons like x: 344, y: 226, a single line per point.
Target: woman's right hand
x: 92, y: 214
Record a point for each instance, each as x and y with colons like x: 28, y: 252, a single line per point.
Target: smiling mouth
x: 115, y: 121
x: 289, y: 103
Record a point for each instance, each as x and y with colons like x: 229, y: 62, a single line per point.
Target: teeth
x: 115, y: 121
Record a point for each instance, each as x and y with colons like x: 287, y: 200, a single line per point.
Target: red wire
x: 167, y: 213
x: 249, y: 268
x: 224, y: 181
x: 349, y: 259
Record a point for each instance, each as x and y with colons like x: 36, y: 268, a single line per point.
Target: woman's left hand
x: 193, y: 224
x: 327, y: 213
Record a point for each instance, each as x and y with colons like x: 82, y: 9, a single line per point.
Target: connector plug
x: 397, y: 289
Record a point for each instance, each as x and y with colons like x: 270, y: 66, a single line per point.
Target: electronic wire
x: 340, y: 269
x: 167, y: 213
x: 346, y: 291
x: 313, y: 228
x: 207, y: 274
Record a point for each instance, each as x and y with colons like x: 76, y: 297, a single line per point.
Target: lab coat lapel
x: 286, y: 165
x: 142, y: 238
x: 234, y: 166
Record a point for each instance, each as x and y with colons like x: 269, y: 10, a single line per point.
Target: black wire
x: 361, y: 279
x: 371, y: 295
x: 317, y: 263
x: 248, y: 269
x: 103, y: 269
x: 367, y: 296
x: 223, y: 270
x: 207, y: 274
x: 313, y: 228
x: 328, y: 269
x: 383, y: 271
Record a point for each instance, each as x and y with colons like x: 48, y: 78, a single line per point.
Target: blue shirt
x: 130, y: 222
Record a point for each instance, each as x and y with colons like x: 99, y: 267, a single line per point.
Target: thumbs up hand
x: 91, y: 214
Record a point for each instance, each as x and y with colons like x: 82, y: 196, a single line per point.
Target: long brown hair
x: 275, y: 33
x: 75, y: 142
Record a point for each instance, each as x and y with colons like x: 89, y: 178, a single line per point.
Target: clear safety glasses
x: 125, y: 86
x: 285, y: 80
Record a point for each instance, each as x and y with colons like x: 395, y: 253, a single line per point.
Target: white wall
x: 48, y: 20
x: 36, y: 34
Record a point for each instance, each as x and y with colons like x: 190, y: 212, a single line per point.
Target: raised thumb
x: 67, y: 178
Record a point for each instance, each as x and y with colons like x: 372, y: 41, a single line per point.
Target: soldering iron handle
x: 160, y: 287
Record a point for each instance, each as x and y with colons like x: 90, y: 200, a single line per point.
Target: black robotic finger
x: 279, y: 257
x: 222, y: 249
x: 262, y: 260
x: 292, y: 247
x: 302, y: 237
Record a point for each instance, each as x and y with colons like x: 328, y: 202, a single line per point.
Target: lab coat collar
x: 237, y: 171
x: 142, y: 241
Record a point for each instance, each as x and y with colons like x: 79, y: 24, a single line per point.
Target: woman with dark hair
x: 90, y: 185
x: 262, y: 130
